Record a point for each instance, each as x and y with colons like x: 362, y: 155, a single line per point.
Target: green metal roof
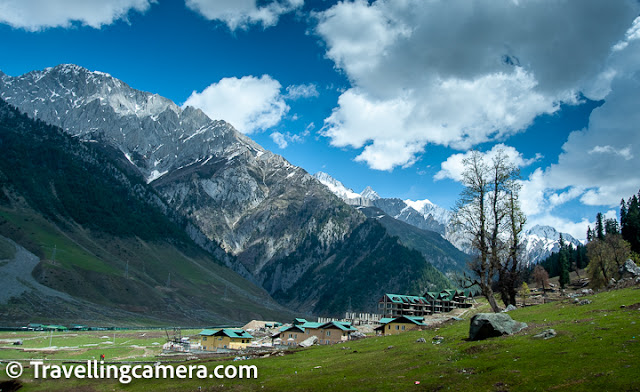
x: 410, y: 319
x: 289, y: 328
x: 234, y: 333
x: 309, y: 324
x: 208, y: 332
x: 406, y: 299
x: 385, y: 320
x: 340, y: 325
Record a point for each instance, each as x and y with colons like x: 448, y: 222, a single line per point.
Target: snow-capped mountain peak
x: 336, y: 186
x: 540, y: 241
x: 369, y: 194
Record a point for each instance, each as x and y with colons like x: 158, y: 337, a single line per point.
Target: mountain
x: 279, y: 225
x: 540, y: 241
x: 422, y: 214
x: 93, y: 243
x: 435, y: 248
x: 420, y: 225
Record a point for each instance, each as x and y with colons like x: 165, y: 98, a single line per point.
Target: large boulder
x: 309, y: 342
x: 489, y: 325
x: 629, y: 270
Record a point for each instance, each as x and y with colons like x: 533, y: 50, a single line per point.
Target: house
x: 400, y: 324
x: 291, y: 335
x: 327, y: 333
x: 334, y: 332
x: 395, y: 305
x: 226, y: 338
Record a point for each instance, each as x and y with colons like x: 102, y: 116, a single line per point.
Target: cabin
x: 226, y: 338
x: 394, y: 326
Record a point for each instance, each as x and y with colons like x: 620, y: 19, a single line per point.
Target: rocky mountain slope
x: 538, y: 242
x: 94, y: 243
x: 257, y: 206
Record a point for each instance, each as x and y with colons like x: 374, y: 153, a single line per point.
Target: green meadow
x: 597, y: 347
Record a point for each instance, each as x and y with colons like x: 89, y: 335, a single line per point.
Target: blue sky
x: 389, y: 94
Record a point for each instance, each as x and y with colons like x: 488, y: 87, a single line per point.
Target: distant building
x: 396, y: 305
x: 327, y: 333
x: 394, y: 326
x: 226, y: 338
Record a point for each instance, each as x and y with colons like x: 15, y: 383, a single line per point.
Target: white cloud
x: 35, y: 15
x: 279, y: 139
x: 445, y: 73
x: 302, y: 91
x: 249, y: 104
x: 283, y: 139
x: 453, y: 167
x: 240, y: 14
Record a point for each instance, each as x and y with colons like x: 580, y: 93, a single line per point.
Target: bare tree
x: 510, y: 269
x: 483, y: 213
x: 541, y: 277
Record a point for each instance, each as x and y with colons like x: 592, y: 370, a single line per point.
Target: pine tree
x: 564, y: 269
x: 599, y: 227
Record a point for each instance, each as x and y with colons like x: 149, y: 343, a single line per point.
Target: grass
x: 7, y: 250
x: 597, y: 348
x: 48, y: 238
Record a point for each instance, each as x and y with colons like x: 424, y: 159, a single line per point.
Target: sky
x: 382, y: 93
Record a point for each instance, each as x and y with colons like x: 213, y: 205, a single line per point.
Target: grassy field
x: 597, y: 348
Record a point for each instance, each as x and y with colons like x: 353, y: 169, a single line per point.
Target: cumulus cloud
x: 35, y: 15
x: 240, y: 14
x: 453, y: 167
x: 250, y: 104
x: 458, y: 73
x: 302, y: 91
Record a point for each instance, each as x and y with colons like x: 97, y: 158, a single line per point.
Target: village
x: 396, y: 314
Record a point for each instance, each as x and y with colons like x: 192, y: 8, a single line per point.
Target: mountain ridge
x: 255, y: 204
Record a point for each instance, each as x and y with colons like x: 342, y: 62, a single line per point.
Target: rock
x: 587, y: 292
x: 357, y: 335
x: 629, y: 270
x: 546, y: 334
x: 421, y: 340
x: 509, y: 308
x: 584, y: 302
x: 389, y: 348
x: 309, y: 342
x: 487, y: 325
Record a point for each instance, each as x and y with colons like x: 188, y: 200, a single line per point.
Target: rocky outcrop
x: 629, y: 270
x: 489, y: 325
